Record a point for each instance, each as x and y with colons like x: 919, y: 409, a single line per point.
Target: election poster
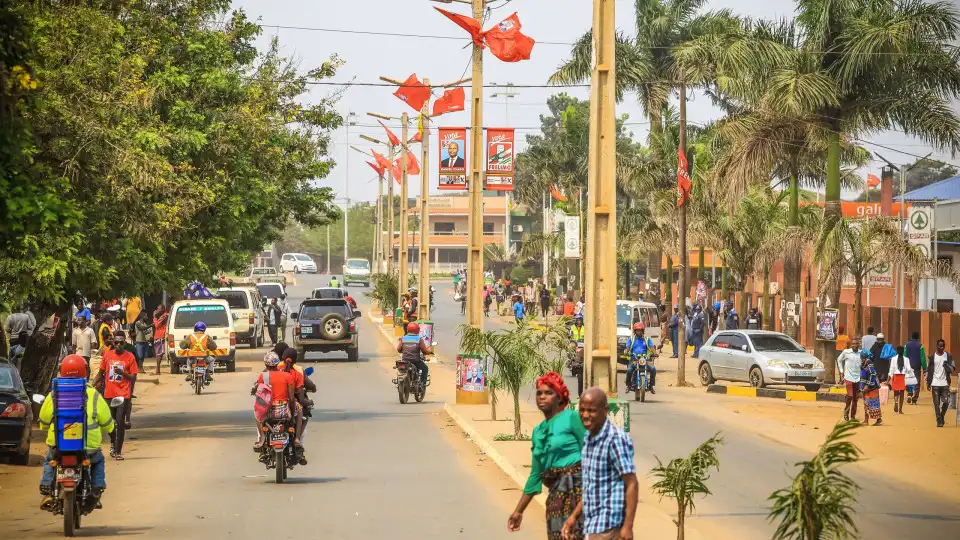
x: 453, y: 158
x: 500, y: 159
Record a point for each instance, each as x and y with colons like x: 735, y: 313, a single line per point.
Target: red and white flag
x: 683, y: 179
x: 452, y: 100
x: 413, y: 92
x: 872, y: 181
x: 507, y: 43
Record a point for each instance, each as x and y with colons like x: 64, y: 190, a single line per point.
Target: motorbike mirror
x: 117, y: 401
x: 308, y: 371
x: 38, y: 399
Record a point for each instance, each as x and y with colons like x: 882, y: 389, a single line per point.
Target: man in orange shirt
x: 568, y: 307
x: 282, y: 385
x: 118, y: 372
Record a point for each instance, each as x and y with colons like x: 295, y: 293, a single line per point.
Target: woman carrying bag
x: 901, y: 376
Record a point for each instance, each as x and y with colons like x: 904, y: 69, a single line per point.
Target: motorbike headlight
x: 777, y: 364
x: 817, y: 364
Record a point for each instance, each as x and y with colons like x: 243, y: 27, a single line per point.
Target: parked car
x: 16, y: 415
x: 297, y: 262
x: 759, y: 357
x: 330, y: 293
x: 630, y: 312
x: 216, y: 314
x: 266, y: 274
x: 270, y: 290
x: 326, y: 325
x: 246, y: 304
x: 357, y: 271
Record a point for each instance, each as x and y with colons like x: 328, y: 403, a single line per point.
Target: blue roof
x: 943, y: 190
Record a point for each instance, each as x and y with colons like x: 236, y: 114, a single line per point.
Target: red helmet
x: 73, y: 365
x: 638, y: 326
x: 413, y: 328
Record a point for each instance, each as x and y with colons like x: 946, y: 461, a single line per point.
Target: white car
x: 245, y: 303
x: 357, y: 271
x: 216, y: 314
x: 759, y: 357
x: 629, y: 312
x: 297, y: 262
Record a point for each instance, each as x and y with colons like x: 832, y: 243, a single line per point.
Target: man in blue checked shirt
x: 610, y: 489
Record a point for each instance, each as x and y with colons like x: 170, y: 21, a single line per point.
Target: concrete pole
x: 600, y: 348
x: 378, y: 236
x: 936, y: 253
x: 424, y: 309
x: 475, y: 183
x: 683, y: 288
x: 328, y: 249
x: 404, y: 233
x: 903, y: 220
x: 390, y: 228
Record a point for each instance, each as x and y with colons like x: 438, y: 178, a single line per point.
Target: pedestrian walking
x: 569, y: 308
x: 143, y: 337
x: 882, y: 353
x: 273, y: 320
x: 867, y: 341
x: 518, y: 312
x: 555, y: 463
x: 870, y: 389
x: 19, y: 322
x: 610, y: 486
x: 463, y: 304
x: 901, y: 374
x: 285, y: 314
x: 850, y: 365
x: 544, y: 302
x: 159, y: 333
x: 940, y: 367
x: 674, y: 326
x: 117, y: 374
x: 697, y: 324
x: 132, y: 308
x: 83, y: 341
x: 753, y: 319
x: 914, y: 352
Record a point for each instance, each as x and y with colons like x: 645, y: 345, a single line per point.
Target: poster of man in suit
x: 453, y: 161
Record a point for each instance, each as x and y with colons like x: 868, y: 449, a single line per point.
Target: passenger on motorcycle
x: 283, y: 390
x: 413, y: 347
x: 199, y: 344
x: 301, y: 385
x: 636, y: 346
x: 98, y: 418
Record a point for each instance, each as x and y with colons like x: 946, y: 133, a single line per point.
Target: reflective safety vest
x: 198, y: 345
x: 578, y: 333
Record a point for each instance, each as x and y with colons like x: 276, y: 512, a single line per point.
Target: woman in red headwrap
x: 557, y: 442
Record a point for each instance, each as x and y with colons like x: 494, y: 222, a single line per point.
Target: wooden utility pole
x: 683, y: 288
x: 404, y: 233
x: 390, y: 203
x: 600, y: 348
x: 423, y: 311
x: 378, y: 237
x: 475, y: 184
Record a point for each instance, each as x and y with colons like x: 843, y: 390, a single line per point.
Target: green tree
x: 683, y: 479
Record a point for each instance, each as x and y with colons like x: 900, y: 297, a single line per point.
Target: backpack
x: 263, y: 398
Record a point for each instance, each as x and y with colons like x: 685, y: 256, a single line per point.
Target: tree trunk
x: 516, y: 415
x: 832, y: 213
x: 681, y: 521
x: 725, y: 284
x: 700, y: 276
x: 765, y: 310
x: 858, y: 307
x: 791, y: 264
x: 493, y: 404
x: 44, y: 349
x: 668, y: 282
x: 626, y: 280
x: 653, y: 270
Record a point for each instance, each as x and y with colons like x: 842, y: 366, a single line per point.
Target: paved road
x: 377, y: 469
x: 675, y: 421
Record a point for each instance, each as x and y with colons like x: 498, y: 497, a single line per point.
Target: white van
x: 245, y: 303
x: 630, y: 312
x: 216, y: 314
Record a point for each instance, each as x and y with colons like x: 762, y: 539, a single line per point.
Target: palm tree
x: 682, y: 479
x: 819, y: 502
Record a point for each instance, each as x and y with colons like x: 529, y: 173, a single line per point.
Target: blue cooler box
x: 70, y: 400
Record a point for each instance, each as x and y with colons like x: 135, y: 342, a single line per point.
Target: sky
x: 553, y: 23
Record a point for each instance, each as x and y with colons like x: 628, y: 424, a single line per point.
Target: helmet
x: 578, y: 317
x: 73, y: 365
x: 413, y: 328
x: 271, y: 359
x: 638, y: 326
x: 200, y: 327
x: 865, y: 354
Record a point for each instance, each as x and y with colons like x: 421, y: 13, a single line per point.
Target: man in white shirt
x: 940, y: 367
x: 84, y: 341
x: 868, y: 339
x: 850, y: 363
x: 284, y: 315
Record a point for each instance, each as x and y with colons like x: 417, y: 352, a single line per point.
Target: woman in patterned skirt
x: 557, y: 442
x: 870, y: 387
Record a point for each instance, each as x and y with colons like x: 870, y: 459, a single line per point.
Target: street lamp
x: 351, y: 121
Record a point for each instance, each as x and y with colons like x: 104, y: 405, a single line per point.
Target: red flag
x: 416, y: 138
x: 377, y: 168
x: 393, y: 138
x: 451, y: 101
x: 413, y: 166
x: 467, y: 23
x: 683, y: 179
x: 397, y: 174
x: 872, y: 181
x: 507, y: 43
x: 413, y: 92
x: 382, y: 161
x: 557, y: 194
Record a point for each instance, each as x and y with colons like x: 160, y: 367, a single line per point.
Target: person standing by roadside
x: 105, y: 332
x: 901, y: 374
x: 697, y: 324
x: 159, y: 333
x: 285, y: 314
x: 850, y: 365
x: 732, y: 317
x: 544, y: 301
x: 530, y: 298
x: 939, y: 368
x: 674, y: 327
x: 84, y: 311
x: 118, y: 373
x: 870, y: 389
x: 753, y: 319
x: 867, y: 341
x: 143, y: 337
x: 914, y: 352
x: 19, y: 322
x: 83, y: 341
x: 610, y: 488
x: 882, y: 353
x: 518, y: 312
x: 557, y: 442
x: 132, y: 307
x: 273, y: 320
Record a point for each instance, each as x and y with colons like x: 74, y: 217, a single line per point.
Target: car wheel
x: 756, y: 377
x: 296, y: 269
x: 706, y: 374
x: 812, y: 387
x: 353, y: 354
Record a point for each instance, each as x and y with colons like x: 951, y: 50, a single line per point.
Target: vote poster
x: 500, y: 159
x: 453, y: 159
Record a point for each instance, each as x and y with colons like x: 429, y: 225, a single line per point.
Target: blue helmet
x: 271, y: 359
x: 200, y: 327
x: 865, y: 354
x: 716, y: 306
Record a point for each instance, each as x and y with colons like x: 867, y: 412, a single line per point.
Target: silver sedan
x: 760, y: 358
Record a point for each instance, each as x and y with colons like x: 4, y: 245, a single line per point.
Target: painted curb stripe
x: 794, y: 395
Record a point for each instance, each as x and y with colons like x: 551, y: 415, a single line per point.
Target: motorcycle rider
x: 636, y: 346
x: 98, y: 418
x: 413, y: 306
x: 301, y: 385
x: 412, y: 348
x: 577, y: 337
x: 282, y: 386
x: 199, y: 344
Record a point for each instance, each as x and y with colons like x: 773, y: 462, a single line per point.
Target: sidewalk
x: 513, y: 457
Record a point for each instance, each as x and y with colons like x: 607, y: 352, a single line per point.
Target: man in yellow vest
x: 199, y: 344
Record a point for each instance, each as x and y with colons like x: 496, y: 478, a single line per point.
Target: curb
x: 487, y: 449
x: 792, y: 395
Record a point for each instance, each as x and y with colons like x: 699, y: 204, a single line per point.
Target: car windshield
x: 270, y: 290
x: 212, y: 316
x: 303, y: 258
x: 264, y: 270
x: 328, y: 293
x: 624, y: 315
x: 9, y: 381
x: 315, y: 312
x: 358, y: 265
x: 774, y: 343
x: 236, y: 299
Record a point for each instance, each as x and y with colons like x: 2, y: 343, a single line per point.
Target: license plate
x: 278, y: 437
x: 804, y: 374
x: 66, y: 474
x: 201, y: 369
x: 306, y: 330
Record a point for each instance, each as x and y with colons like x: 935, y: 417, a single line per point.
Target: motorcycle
x: 73, y: 494
x: 278, y: 451
x: 408, y: 380
x: 575, y: 364
x: 641, y: 378
x: 198, y: 373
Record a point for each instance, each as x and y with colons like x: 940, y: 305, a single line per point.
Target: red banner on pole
x: 453, y: 160
x: 500, y: 159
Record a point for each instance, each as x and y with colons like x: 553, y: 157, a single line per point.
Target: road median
x: 791, y: 395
